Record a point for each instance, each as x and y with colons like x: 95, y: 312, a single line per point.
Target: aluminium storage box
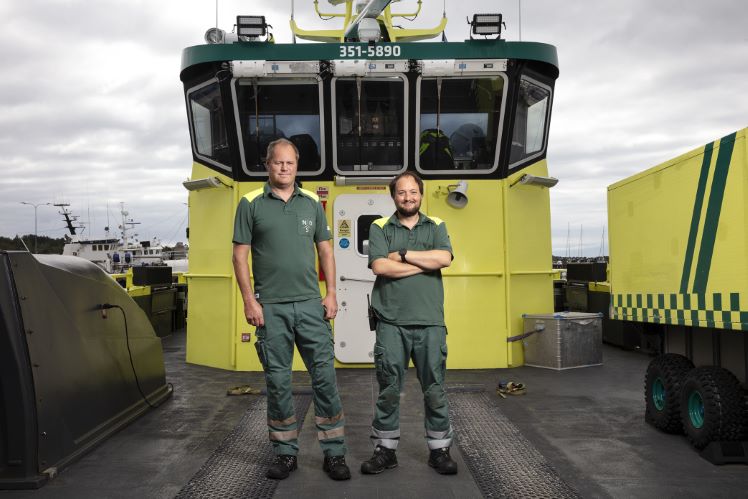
x: 563, y: 340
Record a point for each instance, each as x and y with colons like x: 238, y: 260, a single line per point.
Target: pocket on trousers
x: 261, y: 352
x: 443, y: 366
x: 380, y: 365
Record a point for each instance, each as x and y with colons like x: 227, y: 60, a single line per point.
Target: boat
x: 114, y: 255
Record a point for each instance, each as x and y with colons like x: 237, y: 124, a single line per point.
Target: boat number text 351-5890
x: 370, y: 51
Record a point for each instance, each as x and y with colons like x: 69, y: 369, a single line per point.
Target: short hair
x: 410, y: 174
x: 278, y: 142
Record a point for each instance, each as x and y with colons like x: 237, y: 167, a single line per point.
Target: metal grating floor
x: 237, y: 467
x: 502, y: 461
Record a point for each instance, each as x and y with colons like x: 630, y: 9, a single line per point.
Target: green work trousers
x: 395, y: 346
x: 301, y: 323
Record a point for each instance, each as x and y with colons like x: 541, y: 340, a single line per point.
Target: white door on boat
x: 352, y: 217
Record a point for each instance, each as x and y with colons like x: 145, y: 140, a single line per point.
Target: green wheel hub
x: 696, y: 409
x: 658, y: 394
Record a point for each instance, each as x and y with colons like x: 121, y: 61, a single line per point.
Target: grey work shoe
x: 281, y: 467
x: 336, y: 468
x: 383, y: 459
x: 442, y: 462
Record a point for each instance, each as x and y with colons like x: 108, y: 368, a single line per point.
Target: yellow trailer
x: 679, y: 272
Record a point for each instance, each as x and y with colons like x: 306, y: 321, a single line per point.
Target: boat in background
x: 115, y: 255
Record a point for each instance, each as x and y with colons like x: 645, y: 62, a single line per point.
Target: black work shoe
x: 440, y: 460
x: 383, y: 459
x: 336, y: 468
x: 281, y: 467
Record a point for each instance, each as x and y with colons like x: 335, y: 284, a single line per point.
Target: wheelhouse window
x: 530, y: 121
x: 280, y: 108
x: 459, y: 123
x: 208, y: 124
x: 369, y: 124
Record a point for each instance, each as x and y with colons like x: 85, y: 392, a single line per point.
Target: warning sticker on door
x: 344, y: 228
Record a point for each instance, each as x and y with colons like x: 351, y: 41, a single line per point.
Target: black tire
x: 662, y: 386
x: 712, y: 407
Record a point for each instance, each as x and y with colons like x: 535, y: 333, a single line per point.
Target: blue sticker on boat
x: 344, y: 243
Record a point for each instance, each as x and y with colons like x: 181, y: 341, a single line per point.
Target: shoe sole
x: 268, y: 475
x: 442, y: 472
x: 380, y: 471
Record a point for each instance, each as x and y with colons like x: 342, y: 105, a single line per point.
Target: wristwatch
x: 402, y: 253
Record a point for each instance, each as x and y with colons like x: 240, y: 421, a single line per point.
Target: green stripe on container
x: 713, y: 210
x: 638, y: 300
x: 695, y: 217
x: 735, y: 302
x: 701, y: 300
x: 717, y: 299
x: 686, y: 301
x: 673, y: 301
x: 660, y: 301
x: 726, y: 318
x: 649, y: 301
x: 695, y: 317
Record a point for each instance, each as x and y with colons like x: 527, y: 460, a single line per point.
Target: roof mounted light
x: 251, y: 26
x: 368, y: 30
x: 203, y: 183
x: 486, y: 24
x: 215, y: 35
x: 528, y: 179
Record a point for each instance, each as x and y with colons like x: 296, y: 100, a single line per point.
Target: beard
x: 408, y: 212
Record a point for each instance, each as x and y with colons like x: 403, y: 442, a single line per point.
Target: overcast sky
x: 92, y: 110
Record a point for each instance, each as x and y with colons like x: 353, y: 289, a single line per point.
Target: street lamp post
x: 35, y: 205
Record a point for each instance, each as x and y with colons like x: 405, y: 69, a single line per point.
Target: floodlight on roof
x: 486, y: 24
x: 251, y: 26
x: 215, y: 35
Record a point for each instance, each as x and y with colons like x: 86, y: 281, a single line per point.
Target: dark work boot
x: 281, y: 467
x: 383, y: 459
x: 442, y: 462
x: 336, y: 468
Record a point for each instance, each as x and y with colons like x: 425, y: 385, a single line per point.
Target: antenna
x: 519, y: 8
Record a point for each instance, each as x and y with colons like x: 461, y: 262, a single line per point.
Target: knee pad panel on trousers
x: 390, y: 397
x: 435, y: 396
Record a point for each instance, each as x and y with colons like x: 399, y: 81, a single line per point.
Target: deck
x: 587, y: 425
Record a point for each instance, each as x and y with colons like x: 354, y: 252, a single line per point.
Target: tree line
x: 44, y: 244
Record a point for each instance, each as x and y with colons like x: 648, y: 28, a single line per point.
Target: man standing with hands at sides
x: 282, y: 224
x: 406, y: 252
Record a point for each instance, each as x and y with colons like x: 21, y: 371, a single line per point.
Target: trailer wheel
x: 712, y: 406
x: 662, y: 385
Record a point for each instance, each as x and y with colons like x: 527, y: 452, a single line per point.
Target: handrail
x: 227, y: 276
x: 534, y: 272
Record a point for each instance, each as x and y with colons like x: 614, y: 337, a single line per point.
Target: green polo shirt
x: 417, y: 299
x: 282, y: 236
